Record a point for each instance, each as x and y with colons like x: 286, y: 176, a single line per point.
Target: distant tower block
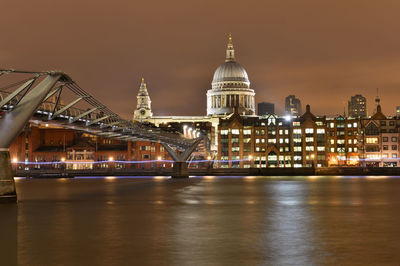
x: 357, y: 106
x: 292, y: 106
x: 143, y: 108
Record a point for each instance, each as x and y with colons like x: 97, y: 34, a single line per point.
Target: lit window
x: 280, y: 140
x: 349, y: 125
x: 320, y: 130
x: 355, y: 124
x: 332, y: 149
x: 320, y: 148
x: 309, y: 130
x: 350, y: 141
x: 332, y: 141
x: 224, y: 132
x: 257, y: 140
x: 286, y: 140
x: 286, y: 131
x: 371, y: 140
x: 309, y: 139
x: 340, y: 141
x: 235, y: 131
x: 297, y: 148
x: 297, y: 131
x: 332, y: 125
x: 297, y: 140
x: 247, y: 132
x: 309, y: 148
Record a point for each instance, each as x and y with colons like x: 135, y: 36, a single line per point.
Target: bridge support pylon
x: 180, y: 168
x: 7, y: 185
x: 11, y: 124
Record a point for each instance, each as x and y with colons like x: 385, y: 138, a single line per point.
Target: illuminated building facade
x: 46, y: 144
x: 380, y: 140
x: 272, y: 141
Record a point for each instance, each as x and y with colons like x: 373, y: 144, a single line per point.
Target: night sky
x: 322, y: 51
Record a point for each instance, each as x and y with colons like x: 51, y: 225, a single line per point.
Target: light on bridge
x: 110, y: 159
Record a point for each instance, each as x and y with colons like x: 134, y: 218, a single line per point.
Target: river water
x: 203, y: 221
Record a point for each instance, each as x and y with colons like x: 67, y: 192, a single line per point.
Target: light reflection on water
x: 210, y: 220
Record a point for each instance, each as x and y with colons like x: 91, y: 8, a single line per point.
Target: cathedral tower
x: 143, y: 108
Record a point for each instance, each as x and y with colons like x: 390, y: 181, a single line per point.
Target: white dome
x: 230, y: 71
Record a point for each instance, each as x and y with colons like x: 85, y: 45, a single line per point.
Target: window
x: 297, y: 148
x: 394, y: 147
x: 286, y: 140
x: 296, y: 124
x: 320, y: 130
x: 355, y: 141
x: 385, y: 147
x: 371, y: 140
x: 297, y: 140
x: 247, y: 132
x: 235, y: 148
x: 235, y: 131
x: 286, y: 131
x: 332, y: 149
x: 280, y: 132
x: 349, y: 141
x: 383, y: 123
x: 355, y: 149
x: 355, y: 124
x: 224, y: 132
x: 350, y: 149
x: 332, y: 125
x: 391, y: 123
x: 309, y: 130
x: 332, y: 141
x: 394, y: 139
x: 394, y: 155
x: 257, y: 140
x: 246, y: 140
x: 297, y: 131
x: 297, y: 158
x: 262, y: 140
x: 349, y: 125
x: 340, y: 141
x: 385, y: 139
x: 309, y: 139
x: 257, y: 148
x: 309, y: 148
x: 271, y: 140
x: 280, y: 140
x: 385, y: 155
x: 320, y: 148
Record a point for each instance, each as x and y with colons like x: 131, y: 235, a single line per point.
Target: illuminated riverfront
x: 199, y: 132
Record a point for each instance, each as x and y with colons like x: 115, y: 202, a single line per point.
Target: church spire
x: 230, y: 52
x: 143, y: 108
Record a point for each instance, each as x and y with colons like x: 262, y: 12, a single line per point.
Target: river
x: 203, y: 221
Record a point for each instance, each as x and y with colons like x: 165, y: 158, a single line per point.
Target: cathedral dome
x: 230, y: 88
x: 230, y: 71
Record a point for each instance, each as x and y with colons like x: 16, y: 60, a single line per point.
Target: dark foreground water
x: 203, y: 221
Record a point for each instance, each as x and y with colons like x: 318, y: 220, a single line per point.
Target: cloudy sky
x: 321, y: 51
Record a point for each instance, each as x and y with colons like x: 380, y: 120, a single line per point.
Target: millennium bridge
x: 26, y: 96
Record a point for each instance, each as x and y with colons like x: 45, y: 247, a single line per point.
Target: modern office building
x: 292, y: 106
x: 357, y: 106
x: 265, y: 108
